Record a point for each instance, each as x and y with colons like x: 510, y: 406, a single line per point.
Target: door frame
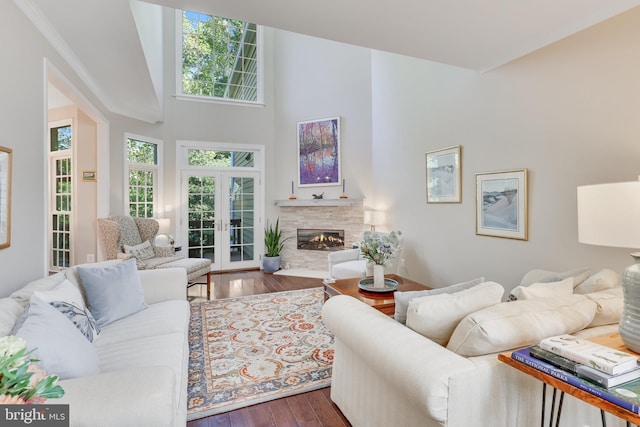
x: 183, y: 169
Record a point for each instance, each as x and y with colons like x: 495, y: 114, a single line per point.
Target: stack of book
x: 608, y: 373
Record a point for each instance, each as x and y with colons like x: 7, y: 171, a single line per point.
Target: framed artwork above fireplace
x: 319, y: 152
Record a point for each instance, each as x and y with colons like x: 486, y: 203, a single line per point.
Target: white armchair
x: 349, y: 263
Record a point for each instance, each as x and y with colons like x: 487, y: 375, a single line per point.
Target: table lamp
x: 374, y: 218
x: 609, y: 215
x: 162, y: 238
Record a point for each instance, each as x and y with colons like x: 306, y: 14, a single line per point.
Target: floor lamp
x: 609, y: 215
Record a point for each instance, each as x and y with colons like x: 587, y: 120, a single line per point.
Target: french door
x: 219, y: 217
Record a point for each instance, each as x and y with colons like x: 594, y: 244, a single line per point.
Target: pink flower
x: 5, y: 399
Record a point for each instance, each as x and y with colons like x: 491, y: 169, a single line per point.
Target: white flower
x: 10, y: 345
x: 380, y: 249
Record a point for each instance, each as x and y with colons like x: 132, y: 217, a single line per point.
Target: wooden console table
x: 383, y: 302
x: 612, y: 340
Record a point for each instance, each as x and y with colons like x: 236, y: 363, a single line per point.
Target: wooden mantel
x: 319, y: 202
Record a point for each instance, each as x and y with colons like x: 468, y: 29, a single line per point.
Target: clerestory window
x: 219, y: 58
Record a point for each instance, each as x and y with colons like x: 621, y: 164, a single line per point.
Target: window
x: 60, y: 193
x: 219, y: 58
x: 143, y: 180
x: 215, y: 158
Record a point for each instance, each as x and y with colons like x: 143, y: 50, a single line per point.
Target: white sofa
x: 384, y: 373
x: 142, y: 358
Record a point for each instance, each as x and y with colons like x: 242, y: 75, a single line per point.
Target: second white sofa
x: 142, y: 357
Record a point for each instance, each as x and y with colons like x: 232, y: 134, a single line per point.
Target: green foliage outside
x: 211, y: 49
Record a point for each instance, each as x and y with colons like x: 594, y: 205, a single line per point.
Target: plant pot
x: 270, y: 264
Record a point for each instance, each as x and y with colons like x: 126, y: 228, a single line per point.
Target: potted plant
x: 273, y: 244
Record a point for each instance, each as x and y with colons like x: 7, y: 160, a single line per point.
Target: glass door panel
x: 201, y: 192
x: 221, y: 218
x: 241, y: 219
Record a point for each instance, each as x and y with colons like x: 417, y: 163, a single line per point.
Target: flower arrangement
x: 21, y: 381
x: 380, y: 249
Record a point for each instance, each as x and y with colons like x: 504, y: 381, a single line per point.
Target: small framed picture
x: 88, y: 175
x: 444, y: 175
x: 501, y: 204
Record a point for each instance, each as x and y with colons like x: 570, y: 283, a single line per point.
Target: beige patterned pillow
x: 141, y: 252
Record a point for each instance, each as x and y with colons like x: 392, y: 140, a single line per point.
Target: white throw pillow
x: 436, y: 317
x: 545, y: 276
x: 602, y: 280
x: 609, y: 306
x: 10, y: 311
x: 402, y: 299
x: 544, y: 290
x: 66, y: 298
x: 113, y: 292
x: 141, y: 252
x: 517, y: 324
x: 59, y: 346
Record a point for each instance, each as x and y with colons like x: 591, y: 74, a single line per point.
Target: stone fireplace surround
x: 345, y: 214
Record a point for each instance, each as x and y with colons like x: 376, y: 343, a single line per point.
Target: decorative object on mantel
x: 501, y: 204
x: 343, y: 195
x: 318, y: 196
x: 379, y: 249
x: 273, y: 245
x: 374, y: 218
x: 293, y: 194
x: 319, y: 152
x: 608, y: 215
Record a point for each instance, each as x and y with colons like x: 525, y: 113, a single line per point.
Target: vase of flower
x: 379, y: 249
x: 378, y: 275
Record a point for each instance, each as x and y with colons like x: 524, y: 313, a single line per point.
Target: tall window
x: 219, y: 58
x: 60, y: 191
x: 144, y: 170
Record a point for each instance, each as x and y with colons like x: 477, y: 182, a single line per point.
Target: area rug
x: 257, y: 348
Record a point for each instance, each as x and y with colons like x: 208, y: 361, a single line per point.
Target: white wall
x: 315, y: 79
x: 569, y: 113
x: 23, y: 121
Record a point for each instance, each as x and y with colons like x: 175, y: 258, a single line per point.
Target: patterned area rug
x: 256, y: 348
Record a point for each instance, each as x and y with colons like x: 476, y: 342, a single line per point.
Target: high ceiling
x: 115, y: 45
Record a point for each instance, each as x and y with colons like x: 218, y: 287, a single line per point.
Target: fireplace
x: 316, y: 239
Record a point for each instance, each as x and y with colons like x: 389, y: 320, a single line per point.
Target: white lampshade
x: 165, y: 225
x: 609, y: 214
x: 374, y: 218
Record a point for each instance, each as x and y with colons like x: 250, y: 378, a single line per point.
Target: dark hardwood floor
x: 311, y: 409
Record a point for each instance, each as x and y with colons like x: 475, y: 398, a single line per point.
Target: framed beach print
x: 319, y: 152
x: 501, y: 204
x: 444, y: 175
x: 5, y: 197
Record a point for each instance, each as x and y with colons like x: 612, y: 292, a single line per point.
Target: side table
x: 383, y: 302
x: 612, y: 340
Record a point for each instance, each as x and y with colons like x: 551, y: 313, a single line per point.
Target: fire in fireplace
x: 320, y: 240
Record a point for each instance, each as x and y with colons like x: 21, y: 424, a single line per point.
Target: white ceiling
x: 106, y: 42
